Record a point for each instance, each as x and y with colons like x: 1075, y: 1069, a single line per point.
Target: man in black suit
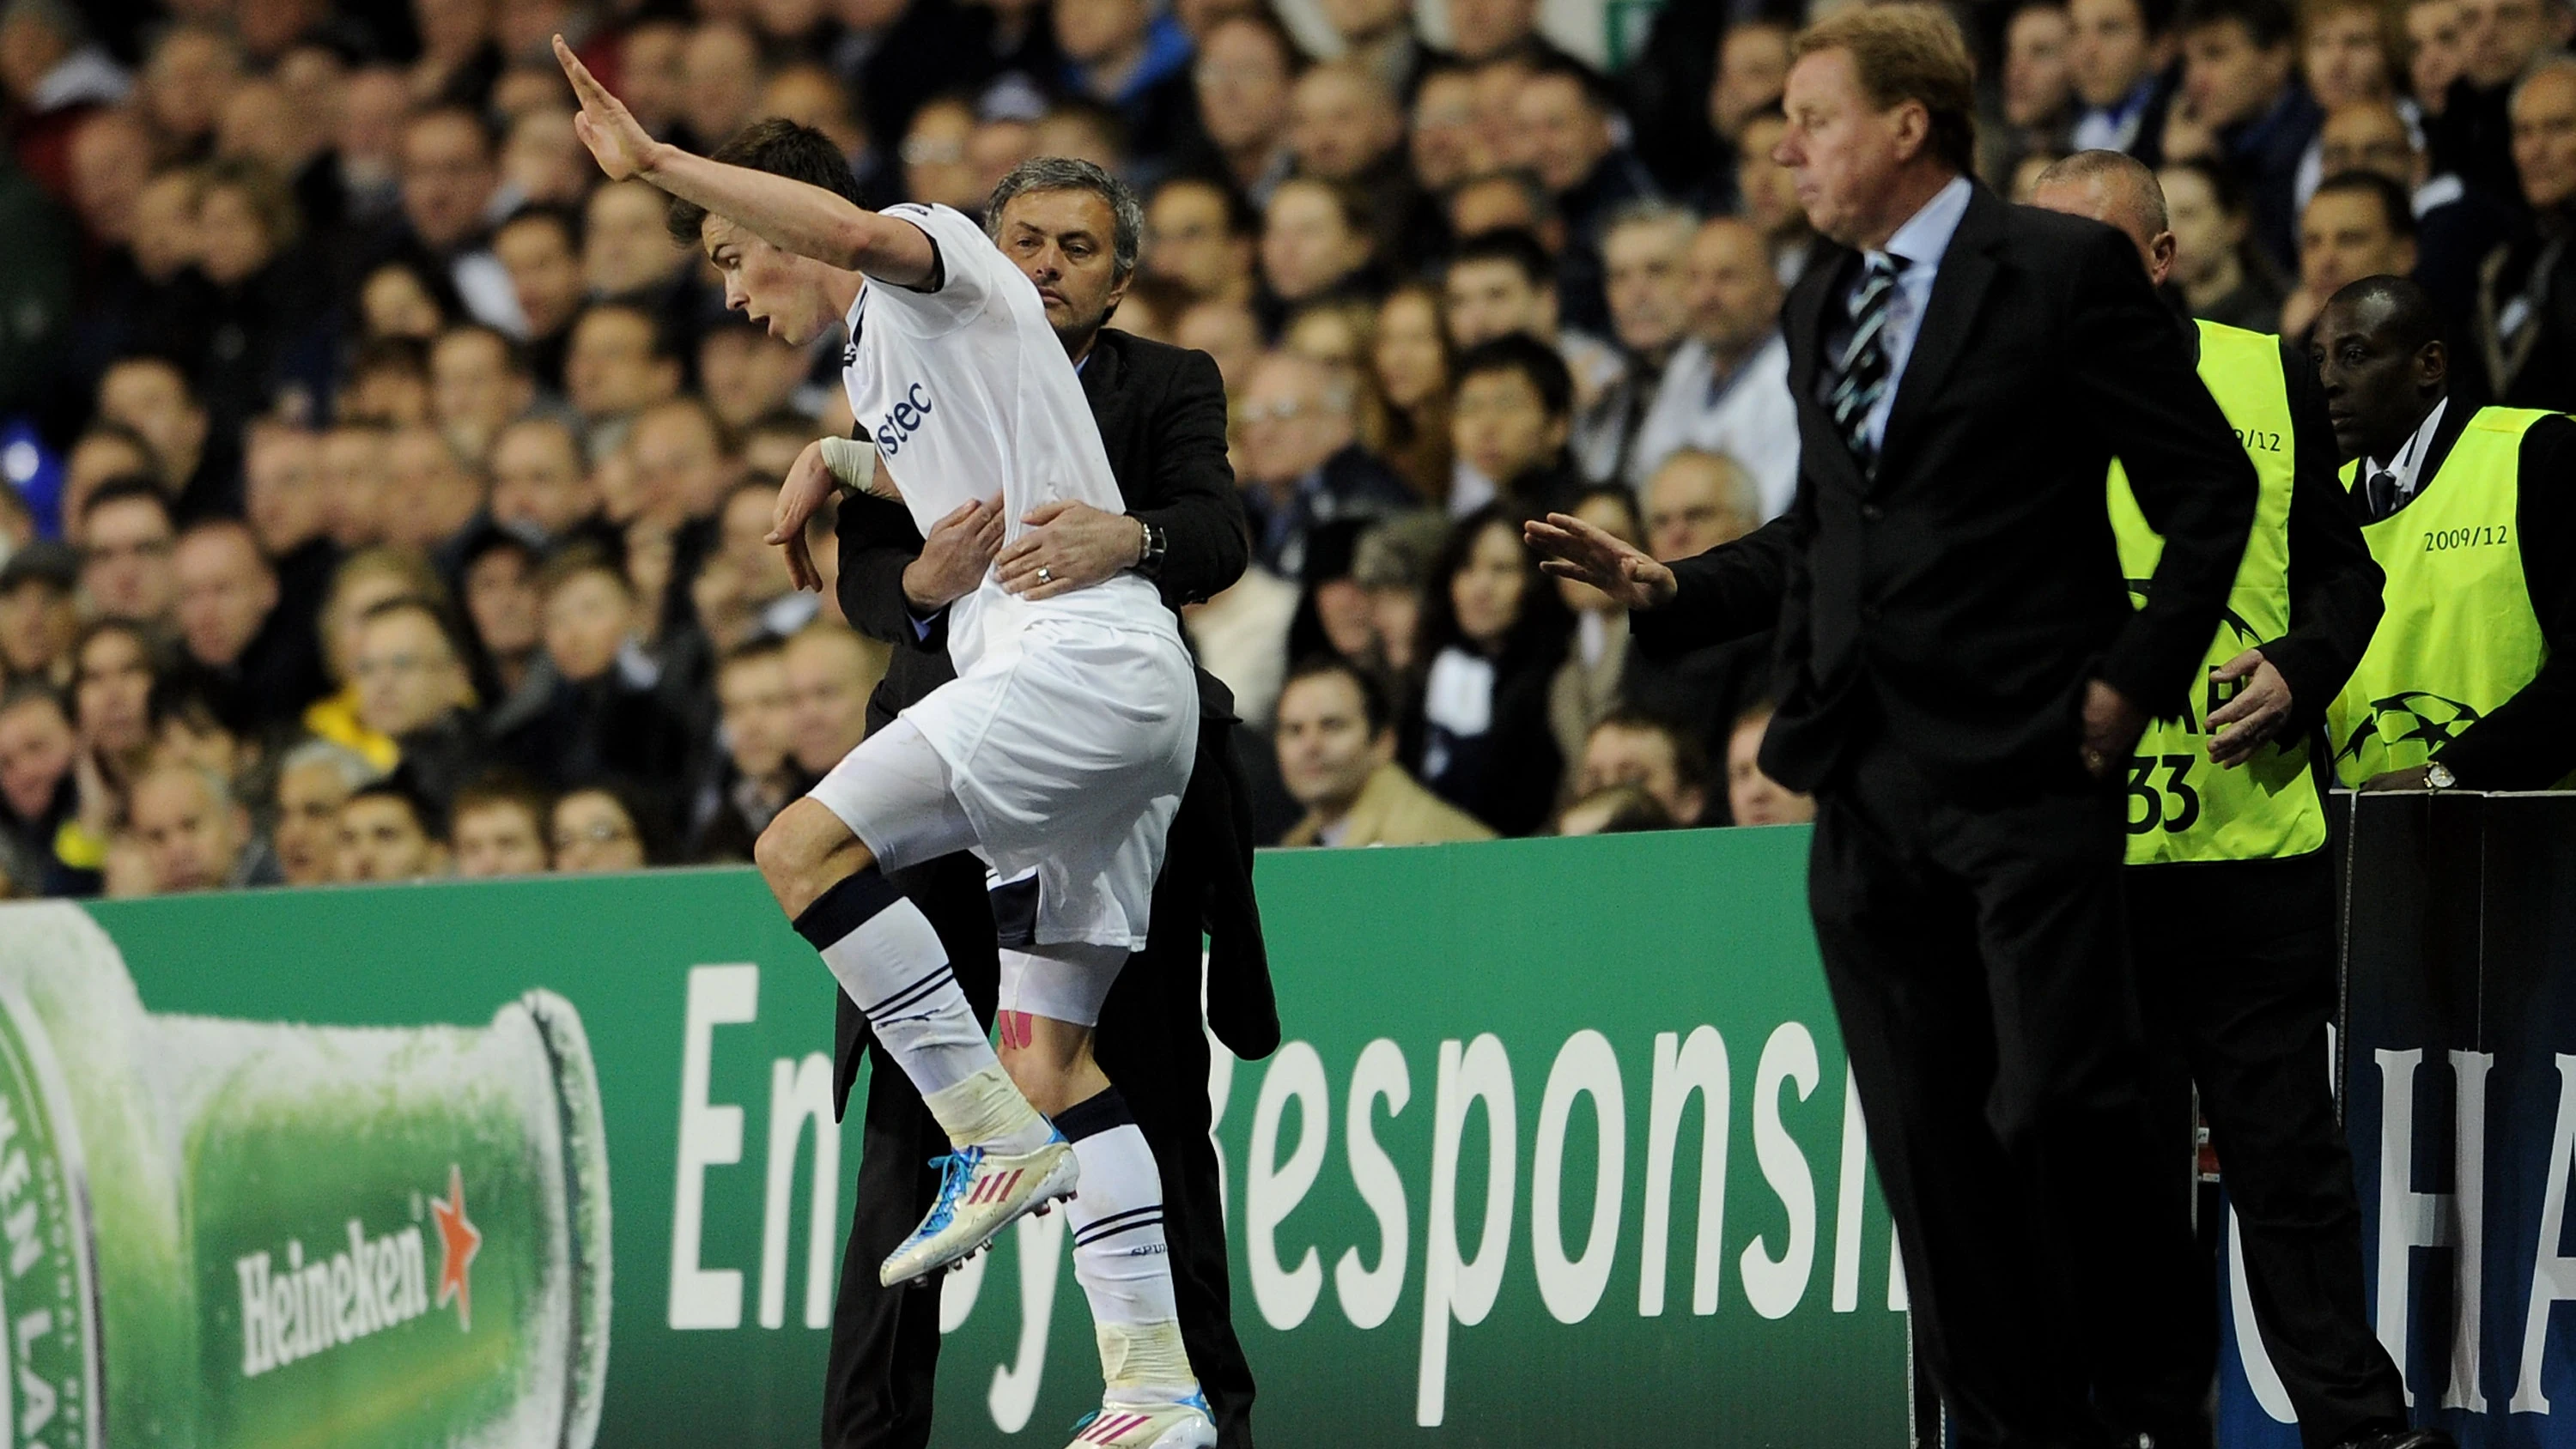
x: 1162, y: 415
x: 1960, y: 674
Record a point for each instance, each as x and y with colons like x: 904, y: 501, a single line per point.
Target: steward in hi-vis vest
x: 2472, y: 514
x: 2230, y: 898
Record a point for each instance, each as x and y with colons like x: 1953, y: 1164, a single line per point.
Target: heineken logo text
x: 308, y: 1305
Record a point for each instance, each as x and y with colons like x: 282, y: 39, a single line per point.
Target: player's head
x: 794, y: 295
x: 1074, y: 230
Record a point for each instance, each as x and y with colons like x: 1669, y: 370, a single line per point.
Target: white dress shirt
x: 2408, y: 465
x: 1921, y: 241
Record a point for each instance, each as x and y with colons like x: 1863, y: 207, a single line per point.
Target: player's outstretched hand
x: 808, y: 483
x: 1570, y: 548
x: 1068, y: 546
x: 615, y: 138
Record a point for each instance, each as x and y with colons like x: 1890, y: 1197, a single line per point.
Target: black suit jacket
x: 1955, y: 600
x: 1161, y: 412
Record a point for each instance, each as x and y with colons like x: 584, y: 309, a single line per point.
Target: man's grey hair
x: 348, y: 764
x: 1065, y: 173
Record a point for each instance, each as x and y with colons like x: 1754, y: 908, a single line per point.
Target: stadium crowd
x: 386, y: 492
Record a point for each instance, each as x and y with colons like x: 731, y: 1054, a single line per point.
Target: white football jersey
x: 967, y: 394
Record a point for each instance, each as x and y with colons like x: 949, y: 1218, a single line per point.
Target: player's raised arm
x: 789, y: 214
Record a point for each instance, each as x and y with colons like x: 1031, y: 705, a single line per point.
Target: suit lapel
x: 1967, y: 268
x: 1100, y: 372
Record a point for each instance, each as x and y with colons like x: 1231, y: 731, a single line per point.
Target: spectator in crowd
x: 597, y: 829
x: 1510, y: 414
x: 1200, y: 233
x: 753, y: 777
x: 1726, y: 389
x: 38, y: 794
x: 1645, y: 251
x: 2501, y: 44
x: 505, y: 617
x: 2220, y: 277
x: 1752, y: 66
x: 1337, y: 743
x: 2244, y: 105
x: 478, y: 382
x: 2357, y: 225
x: 152, y: 396
x: 626, y: 250
x: 439, y: 492
x: 194, y: 835
x: 125, y: 553
x: 1444, y: 146
x: 541, y: 490
x: 1346, y: 126
x: 1409, y: 355
x: 1754, y: 798
x: 2037, y: 105
x: 719, y: 83
x: 449, y: 176
x: 363, y: 580
x: 1134, y: 58
x: 607, y: 720
x: 352, y: 465
x: 748, y: 375
x: 388, y: 832
x: 1484, y: 31
x: 1317, y: 242
x: 502, y: 827
x: 2349, y: 55
x: 1378, y: 35
x: 2435, y: 57
x: 413, y: 690
x: 1695, y: 502
x: 313, y: 781
x: 2121, y: 56
x: 1492, y: 634
x: 1614, y: 810
x: 2455, y: 228
x: 1303, y: 466
x: 38, y: 616
x: 1500, y: 282
x: 621, y: 360
x: 2469, y: 680
x: 541, y: 248
x: 1586, y: 688
x: 1391, y: 563
x: 831, y: 669
x: 105, y: 452
x: 1563, y: 134
x: 1629, y: 748
x: 259, y: 665
x: 2526, y: 309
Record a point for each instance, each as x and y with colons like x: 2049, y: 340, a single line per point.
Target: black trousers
x: 2236, y: 972
x: 884, y: 1354
x: 1978, y: 956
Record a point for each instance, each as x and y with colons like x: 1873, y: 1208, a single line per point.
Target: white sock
x: 1120, y: 1257
x: 885, y: 954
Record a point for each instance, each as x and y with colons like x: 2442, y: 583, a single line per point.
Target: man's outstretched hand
x: 1570, y: 548
x: 616, y: 139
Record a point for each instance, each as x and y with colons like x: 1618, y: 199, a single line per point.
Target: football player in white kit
x: 1058, y: 754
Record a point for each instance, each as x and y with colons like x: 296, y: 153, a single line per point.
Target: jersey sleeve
x: 969, y: 268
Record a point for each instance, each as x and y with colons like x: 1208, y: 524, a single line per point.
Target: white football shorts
x: 1059, y: 762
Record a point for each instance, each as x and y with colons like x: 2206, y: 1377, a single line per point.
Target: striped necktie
x: 1862, y: 369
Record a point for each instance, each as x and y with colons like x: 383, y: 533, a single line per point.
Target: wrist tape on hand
x: 854, y: 464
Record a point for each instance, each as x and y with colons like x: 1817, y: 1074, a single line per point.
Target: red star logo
x: 458, y: 1241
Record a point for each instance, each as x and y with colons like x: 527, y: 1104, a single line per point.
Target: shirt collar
x: 1926, y: 234
x: 2408, y: 465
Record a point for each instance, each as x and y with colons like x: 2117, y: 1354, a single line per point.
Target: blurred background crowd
x: 385, y: 492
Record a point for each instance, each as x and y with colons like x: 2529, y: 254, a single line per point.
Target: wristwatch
x: 1149, y: 556
x: 2438, y: 776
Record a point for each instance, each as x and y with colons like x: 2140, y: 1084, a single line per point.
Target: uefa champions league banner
x: 2458, y: 1070
x: 1560, y: 1150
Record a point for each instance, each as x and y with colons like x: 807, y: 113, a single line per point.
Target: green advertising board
x: 1560, y: 1150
